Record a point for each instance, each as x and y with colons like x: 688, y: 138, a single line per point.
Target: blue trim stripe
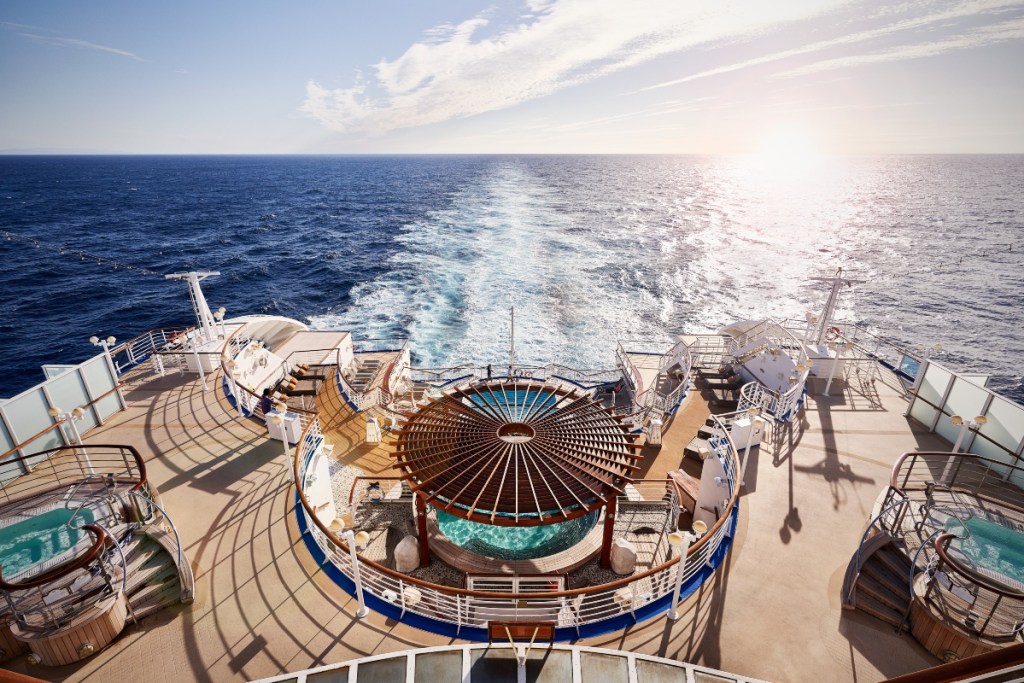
x: 477, y: 634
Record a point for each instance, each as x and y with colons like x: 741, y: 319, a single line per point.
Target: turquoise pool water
x: 518, y: 404
x: 515, y: 543
x: 993, y: 546
x: 42, y: 537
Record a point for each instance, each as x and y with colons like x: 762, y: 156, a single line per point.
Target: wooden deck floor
x: 263, y: 606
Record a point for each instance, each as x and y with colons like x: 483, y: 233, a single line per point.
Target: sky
x: 540, y: 76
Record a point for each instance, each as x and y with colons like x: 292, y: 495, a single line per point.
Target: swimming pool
x: 39, y: 538
x: 992, y: 546
x: 515, y: 543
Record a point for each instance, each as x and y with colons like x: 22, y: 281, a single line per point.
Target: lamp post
x: 681, y: 541
x: 199, y: 362
x: 106, y: 344
x: 218, y: 315
x: 233, y: 386
x: 354, y: 540
x: 964, y: 425
x: 278, y: 420
x: 70, y: 419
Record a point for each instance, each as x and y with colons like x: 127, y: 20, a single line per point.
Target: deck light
x: 681, y: 541
x: 964, y: 425
x: 86, y: 649
x: 354, y: 541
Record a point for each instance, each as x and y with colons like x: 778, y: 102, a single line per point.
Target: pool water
x: 515, y: 543
x: 998, y: 548
x: 516, y: 405
x: 40, y: 538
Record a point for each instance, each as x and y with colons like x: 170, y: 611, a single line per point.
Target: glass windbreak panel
x: 489, y: 666
x: 47, y: 441
x: 934, y: 384
x: 439, y: 667
x: 946, y: 429
x: 6, y: 442
x: 608, y: 668
x: 97, y: 375
x: 9, y: 468
x: 966, y: 399
x: 986, y: 448
x: 656, y: 672
x: 383, y: 671
x: 27, y: 414
x: 67, y: 391
x: 107, y: 406
x: 923, y: 413
x: 332, y: 676
x: 1005, y: 423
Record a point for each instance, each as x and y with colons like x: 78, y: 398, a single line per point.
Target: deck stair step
x: 868, y: 605
x: 882, y: 592
x: 883, y: 585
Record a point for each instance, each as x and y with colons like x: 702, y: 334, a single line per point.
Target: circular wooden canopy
x: 516, y: 452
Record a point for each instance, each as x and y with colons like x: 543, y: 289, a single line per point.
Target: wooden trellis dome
x: 516, y: 453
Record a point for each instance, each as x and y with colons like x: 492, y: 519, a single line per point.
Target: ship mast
x: 204, y: 318
x: 512, y: 340
x: 825, y: 322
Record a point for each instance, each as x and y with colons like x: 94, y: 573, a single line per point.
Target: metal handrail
x: 64, y: 569
x: 457, y: 605
x: 177, y: 538
x: 46, y: 475
x: 863, y: 539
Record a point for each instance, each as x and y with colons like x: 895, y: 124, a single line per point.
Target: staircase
x: 153, y: 579
x: 883, y: 586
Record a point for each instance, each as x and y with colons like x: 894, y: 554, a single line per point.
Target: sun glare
x: 788, y: 150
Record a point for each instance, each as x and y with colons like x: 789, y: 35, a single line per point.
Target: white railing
x: 465, y: 608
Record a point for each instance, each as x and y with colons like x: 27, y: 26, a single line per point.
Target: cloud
x: 987, y: 35
x: 81, y: 44
x: 960, y: 11
x: 457, y: 72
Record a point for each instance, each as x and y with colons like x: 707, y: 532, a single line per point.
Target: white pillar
x: 353, y: 540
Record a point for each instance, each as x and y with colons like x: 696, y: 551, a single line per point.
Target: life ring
x: 833, y: 333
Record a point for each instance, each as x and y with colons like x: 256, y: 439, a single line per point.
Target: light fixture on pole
x: 70, y: 419
x: 233, y: 386
x: 964, y: 425
x: 106, y: 344
x: 681, y: 541
x: 838, y: 347
x: 354, y: 541
x: 278, y: 420
x: 218, y: 315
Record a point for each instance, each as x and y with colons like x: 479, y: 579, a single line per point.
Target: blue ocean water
x: 589, y: 249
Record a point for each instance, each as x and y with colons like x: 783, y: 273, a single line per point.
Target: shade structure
x: 516, y: 452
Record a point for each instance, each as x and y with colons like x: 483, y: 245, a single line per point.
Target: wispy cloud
x: 906, y: 26
x: 987, y: 35
x: 81, y: 44
x: 454, y: 72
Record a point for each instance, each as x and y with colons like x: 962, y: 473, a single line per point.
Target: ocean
x: 588, y: 249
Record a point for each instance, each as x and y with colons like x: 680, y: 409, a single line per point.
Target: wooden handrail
x: 136, y: 456
x: 941, y: 546
x: 32, y: 438
x: 694, y: 549
x: 64, y: 569
x: 1002, y: 660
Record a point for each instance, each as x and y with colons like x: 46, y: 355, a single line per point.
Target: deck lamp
x: 356, y: 541
x: 70, y: 419
x: 681, y: 541
x: 219, y: 317
x: 964, y: 425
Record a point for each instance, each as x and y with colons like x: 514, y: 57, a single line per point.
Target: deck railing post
x: 351, y: 540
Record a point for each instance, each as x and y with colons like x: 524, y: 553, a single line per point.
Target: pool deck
x: 263, y: 607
